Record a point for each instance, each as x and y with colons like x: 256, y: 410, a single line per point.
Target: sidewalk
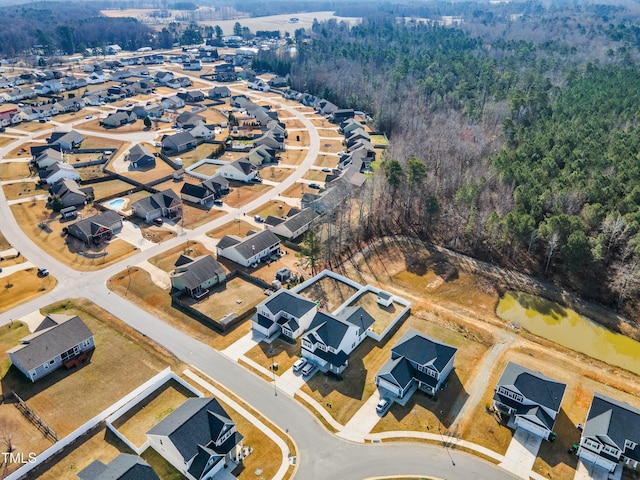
x: 363, y: 421
x: 237, y: 350
x: 158, y: 276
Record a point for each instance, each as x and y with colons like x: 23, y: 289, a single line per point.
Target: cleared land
x: 274, y: 208
x: 275, y: 174
x: 241, y: 193
x: 141, y: 290
x: 330, y: 161
x: 123, y: 359
x: 331, y: 146
x: 235, y: 227
x: 315, y: 176
x: 292, y: 157
x: 298, y: 189
x: 22, y: 190
x: 195, y: 216
x: 22, y: 286
x: 14, y: 170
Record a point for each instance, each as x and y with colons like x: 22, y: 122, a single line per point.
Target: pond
x: 566, y: 327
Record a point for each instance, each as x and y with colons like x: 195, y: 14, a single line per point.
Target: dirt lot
x: 22, y: 286
x: 330, y: 161
x: 235, y: 296
x: 241, y: 193
x: 30, y: 214
x: 142, y: 291
x: 298, y: 139
x: 110, y: 187
x: 14, y: 170
x: 275, y: 174
x: 168, y: 258
x: 27, y: 189
x: 329, y: 132
x: 274, y: 208
x: 123, y: 359
x: 236, y: 227
x: 331, y: 146
x: 331, y: 293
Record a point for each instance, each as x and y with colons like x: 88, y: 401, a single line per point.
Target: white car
x: 308, y: 368
x: 299, y: 364
x: 383, y: 405
x: 88, y: 117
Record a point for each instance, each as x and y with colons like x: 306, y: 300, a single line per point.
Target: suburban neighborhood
x: 164, y: 315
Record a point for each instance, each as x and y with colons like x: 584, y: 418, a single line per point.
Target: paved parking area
x: 522, y: 453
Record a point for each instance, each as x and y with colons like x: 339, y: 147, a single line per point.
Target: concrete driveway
x: 363, y: 421
x: 522, y: 453
x: 588, y: 471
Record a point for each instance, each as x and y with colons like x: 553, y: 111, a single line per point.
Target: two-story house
x: 417, y: 362
x: 531, y: 399
x: 284, y: 312
x: 249, y: 250
x: 611, y: 434
x: 161, y: 204
x: 329, y: 340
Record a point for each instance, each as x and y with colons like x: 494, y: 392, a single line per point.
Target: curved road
x: 321, y: 455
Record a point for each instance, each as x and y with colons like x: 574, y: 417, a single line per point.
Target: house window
x: 611, y: 450
x: 590, y: 443
x: 509, y: 394
x: 630, y: 445
x: 322, y: 347
x: 306, y: 343
x: 32, y: 373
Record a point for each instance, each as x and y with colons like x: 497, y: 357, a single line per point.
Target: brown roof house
x: 58, y: 340
x: 195, y: 275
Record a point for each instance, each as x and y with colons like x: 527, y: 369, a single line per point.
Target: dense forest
x: 514, y: 136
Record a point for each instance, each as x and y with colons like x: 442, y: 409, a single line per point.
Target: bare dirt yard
x: 241, y: 193
x: 330, y: 292
x: 22, y: 286
x: 235, y: 296
x: 14, y: 170
x: 168, y: 258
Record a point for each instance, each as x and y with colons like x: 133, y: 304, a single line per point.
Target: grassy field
x: 298, y: 189
x: 22, y: 190
x: 331, y: 146
x: 331, y: 293
x: 123, y: 359
x: 14, y: 170
x: 141, y: 290
x: 330, y: 161
x: 274, y: 208
x: 100, y: 142
x: 298, y: 139
x: 193, y: 156
x: 164, y: 469
x: 195, y: 216
x: 241, y: 193
x: 22, y: 286
x: 292, y: 157
x: 275, y: 174
x: 110, y: 187
x: 236, y: 227
x: 143, y: 417
x: 208, y: 169
x: 315, y: 176
x: 161, y: 170
x: 29, y: 215
x: 331, y: 132
x: 167, y: 259
x: 284, y: 355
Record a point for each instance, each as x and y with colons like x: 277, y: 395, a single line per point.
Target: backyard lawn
x: 238, y: 228
x: 235, y: 296
x: 167, y: 259
x: 22, y: 286
x: 330, y: 292
x: 275, y: 174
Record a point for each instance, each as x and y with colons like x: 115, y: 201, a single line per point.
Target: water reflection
x: 568, y: 328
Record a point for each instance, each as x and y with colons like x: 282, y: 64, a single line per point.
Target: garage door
x: 596, y: 459
x: 531, y: 427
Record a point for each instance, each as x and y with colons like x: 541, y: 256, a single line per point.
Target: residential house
x: 325, y: 107
x: 194, y: 65
x: 202, y: 131
x: 47, y: 157
x: 181, y: 82
x: 155, y: 111
x: 161, y: 204
x: 119, y: 118
x: 284, y: 312
x: 261, y: 155
x: 241, y: 170
x: 340, y: 115
x: 178, y: 143
x: 219, y: 92
x: 269, y: 140
x: 162, y: 78
x: 140, y: 157
x: 58, y: 340
x: 172, y: 103
x: 295, y: 225
x: 194, y: 276
x: 96, y: 228
x: 278, y: 82
x: 67, y: 140
x: 417, y: 362
x: 531, y: 399
x: 70, y: 105
x: 70, y: 193
x: 251, y: 249
x: 192, y: 96
x: 611, y: 435
x: 258, y: 84
x: 124, y: 467
x: 355, y: 136
x: 198, y: 439
x: 189, y: 120
x: 58, y: 171
x: 330, y: 339
x: 206, y: 192
x: 96, y: 77
x: 349, y: 126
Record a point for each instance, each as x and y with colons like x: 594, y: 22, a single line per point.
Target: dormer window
x: 628, y: 444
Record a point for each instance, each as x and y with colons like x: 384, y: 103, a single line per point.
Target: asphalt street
x: 321, y: 455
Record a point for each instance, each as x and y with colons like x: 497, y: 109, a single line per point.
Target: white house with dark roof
x: 330, y: 339
x: 249, y: 250
x: 48, y: 157
x: 70, y: 193
x: 58, y: 340
x: 195, y: 276
x: 611, y: 435
x: 531, y: 399
x: 124, y: 467
x: 178, y: 143
x: 161, y: 204
x: 284, y: 312
x: 417, y: 362
x: 198, y: 438
x: 295, y: 225
x: 58, y: 171
x: 67, y: 140
x: 240, y: 170
x: 206, y: 192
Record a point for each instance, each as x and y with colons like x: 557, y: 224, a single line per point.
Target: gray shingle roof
x: 85, y: 229
x: 46, y: 344
x: 301, y: 219
x: 256, y: 243
x: 198, y: 271
x: 535, y: 386
x: 328, y: 329
x: 423, y: 350
x: 124, y: 467
x: 292, y: 303
x: 161, y: 200
x: 140, y: 152
x: 357, y: 316
x: 613, y: 422
x: 397, y: 371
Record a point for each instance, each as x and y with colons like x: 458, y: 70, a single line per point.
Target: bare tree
x: 8, y: 433
x: 626, y: 280
x: 552, y: 247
